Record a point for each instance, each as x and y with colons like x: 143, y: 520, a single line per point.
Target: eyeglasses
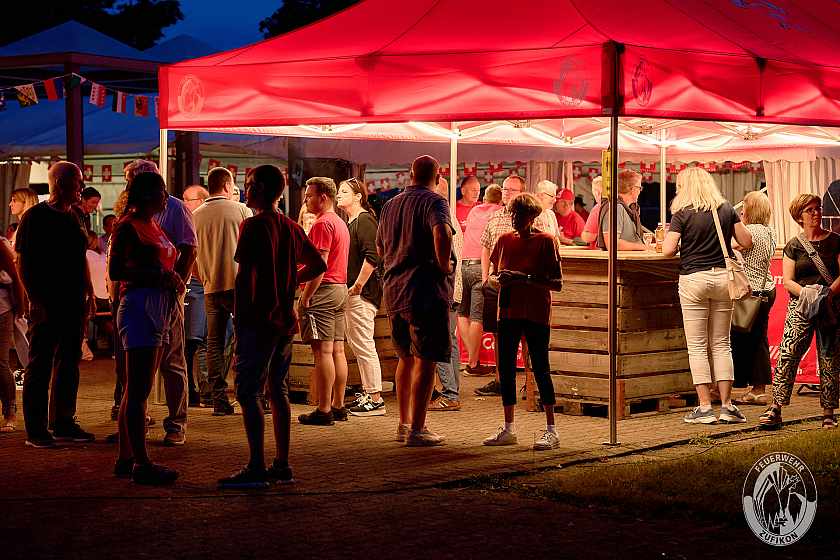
x: 813, y: 210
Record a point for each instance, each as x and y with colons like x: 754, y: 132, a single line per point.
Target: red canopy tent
x: 455, y: 60
x: 469, y: 60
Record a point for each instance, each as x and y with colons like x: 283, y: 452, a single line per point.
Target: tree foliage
x: 296, y: 13
x: 138, y: 23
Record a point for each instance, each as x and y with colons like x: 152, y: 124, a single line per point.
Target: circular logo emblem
x: 191, y: 95
x: 642, y: 84
x: 566, y: 88
x: 780, y: 499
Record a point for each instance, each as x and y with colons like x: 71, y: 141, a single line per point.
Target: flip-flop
x: 750, y: 398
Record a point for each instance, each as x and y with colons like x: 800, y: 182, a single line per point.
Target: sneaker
x: 435, y: 395
x: 73, y: 433
x: 492, y: 389
x: 502, y: 437
x: 443, y: 403
x: 246, y: 477
x: 172, y: 439
x: 425, y: 438
x: 222, y: 408
x: 368, y: 407
x: 402, y: 432
x: 479, y: 370
x: 115, y: 413
x: 280, y: 473
x: 44, y: 441
x: 548, y: 440
x: 339, y: 414
x: 150, y: 474
x: 124, y: 467
x: 731, y: 415
x: 698, y: 416
x: 19, y: 374
x: 357, y: 400
x: 317, y: 418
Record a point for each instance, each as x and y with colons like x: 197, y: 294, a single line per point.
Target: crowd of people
x: 213, y: 281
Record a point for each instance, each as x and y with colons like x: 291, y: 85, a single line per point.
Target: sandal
x: 8, y: 425
x: 750, y: 398
x: 829, y: 422
x: 771, y: 419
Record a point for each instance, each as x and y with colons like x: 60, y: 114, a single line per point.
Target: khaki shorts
x: 324, y: 319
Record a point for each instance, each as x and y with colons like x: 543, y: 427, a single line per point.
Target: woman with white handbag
x: 750, y: 347
x: 811, y: 271
x: 702, y: 226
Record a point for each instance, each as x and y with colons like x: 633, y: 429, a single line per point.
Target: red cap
x: 566, y: 194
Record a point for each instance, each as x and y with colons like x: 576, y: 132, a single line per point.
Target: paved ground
x: 355, y: 485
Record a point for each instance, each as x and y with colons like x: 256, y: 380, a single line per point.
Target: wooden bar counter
x: 652, y: 361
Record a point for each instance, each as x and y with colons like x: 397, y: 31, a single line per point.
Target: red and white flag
x: 97, y: 94
x: 106, y: 174
x: 88, y: 173
x: 119, y: 102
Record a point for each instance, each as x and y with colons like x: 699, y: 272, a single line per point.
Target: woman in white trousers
x: 365, y: 295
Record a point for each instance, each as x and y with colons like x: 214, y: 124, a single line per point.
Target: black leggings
x: 510, y: 332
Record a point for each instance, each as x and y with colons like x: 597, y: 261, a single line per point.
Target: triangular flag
x: 72, y: 81
x: 141, y: 105
x: 53, y: 89
x: 97, y: 94
x: 118, y: 103
x: 26, y: 95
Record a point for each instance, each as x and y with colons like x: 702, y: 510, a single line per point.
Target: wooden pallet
x: 629, y: 407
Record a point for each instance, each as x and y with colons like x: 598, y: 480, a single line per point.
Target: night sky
x: 223, y: 23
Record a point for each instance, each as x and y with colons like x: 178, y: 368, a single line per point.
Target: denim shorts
x: 143, y: 317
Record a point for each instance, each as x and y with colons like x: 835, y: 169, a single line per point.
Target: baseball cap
x: 566, y: 194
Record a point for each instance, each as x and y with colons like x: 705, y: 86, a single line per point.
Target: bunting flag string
x: 58, y: 87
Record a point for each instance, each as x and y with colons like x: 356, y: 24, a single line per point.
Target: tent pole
x: 453, y: 168
x: 163, y: 161
x: 663, y: 179
x: 612, y: 270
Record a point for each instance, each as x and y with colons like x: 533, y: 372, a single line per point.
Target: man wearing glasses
x: 628, y: 222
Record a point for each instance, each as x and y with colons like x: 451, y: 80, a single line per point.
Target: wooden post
x: 186, y: 162
x: 74, y: 119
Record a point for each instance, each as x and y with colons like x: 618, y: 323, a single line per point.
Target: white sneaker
x: 402, y: 432
x: 502, y: 437
x: 548, y: 440
x: 426, y: 438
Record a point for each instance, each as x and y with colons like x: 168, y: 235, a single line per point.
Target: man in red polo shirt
x: 569, y: 220
x: 470, y: 189
x: 322, y: 303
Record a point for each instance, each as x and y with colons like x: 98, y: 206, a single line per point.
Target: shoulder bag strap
x: 720, y: 234
x: 816, y: 259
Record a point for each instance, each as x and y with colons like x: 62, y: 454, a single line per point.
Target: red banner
x: 487, y: 351
x: 807, y: 372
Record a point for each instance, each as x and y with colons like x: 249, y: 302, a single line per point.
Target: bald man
x: 51, y: 243
x: 415, y: 242
x: 194, y: 196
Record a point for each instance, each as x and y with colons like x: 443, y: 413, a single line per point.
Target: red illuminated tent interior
x: 457, y: 60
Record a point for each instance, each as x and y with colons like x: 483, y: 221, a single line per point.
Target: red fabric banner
x: 106, y: 174
x: 807, y: 372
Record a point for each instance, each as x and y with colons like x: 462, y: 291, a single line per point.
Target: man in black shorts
x: 270, y: 249
x: 415, y: 241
